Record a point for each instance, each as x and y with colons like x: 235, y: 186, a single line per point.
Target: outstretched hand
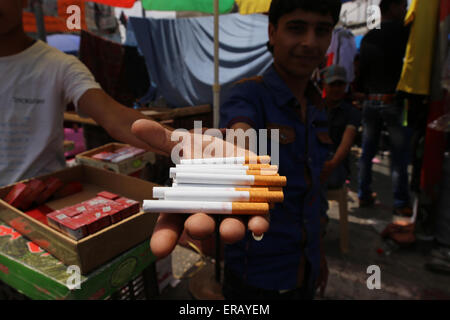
x: 169, y: 227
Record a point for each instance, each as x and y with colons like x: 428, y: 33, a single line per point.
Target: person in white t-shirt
x: 36, y: 83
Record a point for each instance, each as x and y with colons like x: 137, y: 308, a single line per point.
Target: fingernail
x: 257, y: 238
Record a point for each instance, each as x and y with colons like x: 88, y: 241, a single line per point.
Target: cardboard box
x: 125, y: 166
x: 35, y: 273
x: 96, y: 249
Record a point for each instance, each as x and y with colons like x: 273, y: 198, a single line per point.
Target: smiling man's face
x: 11, y: 15
x: 300, y: 41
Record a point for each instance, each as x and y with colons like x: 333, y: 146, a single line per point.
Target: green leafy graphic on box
x: 19, y: 248
x: 123, y: 272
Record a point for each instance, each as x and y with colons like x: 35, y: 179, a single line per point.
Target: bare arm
x: 341, y: 153
x: 344, y: 146
x: 115, y: 118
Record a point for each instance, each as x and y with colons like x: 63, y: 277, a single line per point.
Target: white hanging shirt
x: 36, y: 85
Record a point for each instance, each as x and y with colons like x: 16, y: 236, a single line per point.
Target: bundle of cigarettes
x: 237, y: 185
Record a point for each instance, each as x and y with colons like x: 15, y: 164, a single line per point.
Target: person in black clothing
x: 343, y: 122
x: 381, y: 63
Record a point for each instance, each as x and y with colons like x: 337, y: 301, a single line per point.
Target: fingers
x: 199, y: 226
x: 155, y: 135
x: 232, y: 230
x: 258, y: 225
x: 166, y: 233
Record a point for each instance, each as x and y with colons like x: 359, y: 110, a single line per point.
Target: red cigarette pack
x: 17, y: 195
x: 40, y: 213
x: 52, y: 185
x: 96, y: 202
x: 36, y: 187
x: 55, y: 218
x: 108, y: 195
x: 75, y: 227
x: 131, y: 206
x: 69, y: 189
x: 74, y: 210
x: 94, y: 220
x: 103, y: 155
x: 114, y: 212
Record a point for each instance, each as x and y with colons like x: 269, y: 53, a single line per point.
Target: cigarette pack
x: 69, y: 189
x: 75, y: 210
x: 108, y: 195
x: 75, y: 227
x: 131, y: 206
x: 126, y: 153
x: 55, y: 218
x: 103, y: 155
x: 52, y: 184
x: 36, y: 187
x: 17, y: 195
x: 40, y: 213
x: 93, y: 220
x: 114, y: 211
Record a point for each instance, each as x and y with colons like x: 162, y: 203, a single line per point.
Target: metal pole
x: 218, y: 247
x: 143, y: 10
x: 216, y: 86
x: 216, y: 106
x: 39, y: 14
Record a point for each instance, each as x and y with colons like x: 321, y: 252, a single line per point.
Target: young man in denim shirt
x: 288, y: 262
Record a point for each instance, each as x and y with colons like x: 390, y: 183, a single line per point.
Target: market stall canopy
x: 116, y: 3
x: 55, y: 16
x: 206, y: 6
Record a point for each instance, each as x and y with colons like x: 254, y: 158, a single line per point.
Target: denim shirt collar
x: 283, y: 94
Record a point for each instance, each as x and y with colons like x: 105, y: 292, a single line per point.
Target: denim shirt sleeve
x: 242, y: 106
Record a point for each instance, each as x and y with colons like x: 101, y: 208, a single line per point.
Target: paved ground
x: 403, y: 275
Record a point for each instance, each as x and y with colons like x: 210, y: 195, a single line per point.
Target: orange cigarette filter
x: 275, y: 181
x: 254, y: 188
x: 263, y: 196
x: 252, y: 166
x: 250, y: 208
x: 262, y: 172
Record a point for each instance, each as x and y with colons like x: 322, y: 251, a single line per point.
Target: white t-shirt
x: 35, y: 87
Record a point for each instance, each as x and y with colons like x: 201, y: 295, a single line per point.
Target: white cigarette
x: 223, y: 196
x: 174, y: 171
x: 229, y: 160
x: 167, y: 206
x: 229, y: 166
x: 247, y: 180
x: 199, y: 185
x: 159, y: 192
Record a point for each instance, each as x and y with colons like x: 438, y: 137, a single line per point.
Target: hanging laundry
x: 180, y: 54
x: 342, y: 51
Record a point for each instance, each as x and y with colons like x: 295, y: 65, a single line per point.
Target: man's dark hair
x: 385, y: 5
x: 279, y: 8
